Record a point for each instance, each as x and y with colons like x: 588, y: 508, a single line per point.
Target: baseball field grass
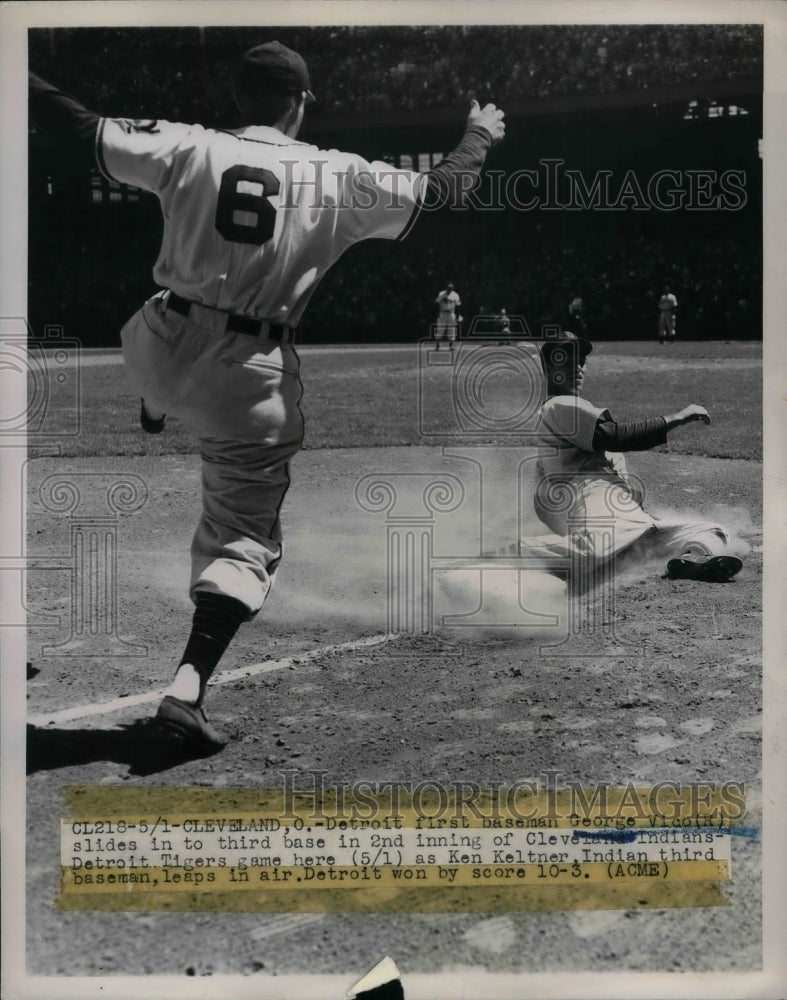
x: 391, y: 395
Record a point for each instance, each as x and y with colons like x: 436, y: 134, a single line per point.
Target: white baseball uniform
x: 667, y: 306
x: 448, y: 302
x: 252, y: 221
x: 588, y: 501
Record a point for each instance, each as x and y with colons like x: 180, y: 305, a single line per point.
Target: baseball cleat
x: 715, y: 569
x: 149, y: 425
x: 187, y: 722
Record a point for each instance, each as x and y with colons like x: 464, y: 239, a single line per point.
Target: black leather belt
x: 236, y: 323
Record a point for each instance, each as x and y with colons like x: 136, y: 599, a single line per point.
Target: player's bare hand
x: 694, y: 412
x: 489, y: 117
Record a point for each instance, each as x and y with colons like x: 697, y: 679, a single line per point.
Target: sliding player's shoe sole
x: 715, y: 569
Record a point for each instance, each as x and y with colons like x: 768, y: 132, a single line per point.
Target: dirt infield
x: 673, y: 693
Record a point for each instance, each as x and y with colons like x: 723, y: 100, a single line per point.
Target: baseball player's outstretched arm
x: 70, y: 122
x: 640, y: 435
x: 633, y: 435
x: 450, y: 182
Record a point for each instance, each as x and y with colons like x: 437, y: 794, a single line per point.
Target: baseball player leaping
x: 253, y: 219
x: 585, y: 495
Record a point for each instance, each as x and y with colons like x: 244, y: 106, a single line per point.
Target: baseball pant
x: 602, y: 523
x: 663, y: 539
x: 666, y: 325
x: 445, y: 328
x: 239, y: 395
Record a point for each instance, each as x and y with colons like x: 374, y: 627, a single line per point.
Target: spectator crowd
x: 186, y: 73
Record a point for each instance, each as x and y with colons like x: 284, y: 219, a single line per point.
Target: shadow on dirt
x: 140, y: 744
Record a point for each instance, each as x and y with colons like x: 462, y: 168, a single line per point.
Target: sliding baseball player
x: 586, y: 497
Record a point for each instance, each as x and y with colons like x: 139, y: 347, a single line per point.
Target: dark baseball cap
x: 274, y: 67
x: 564, y: 350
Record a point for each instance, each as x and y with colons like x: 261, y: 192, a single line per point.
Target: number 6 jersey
x: 252, y: 218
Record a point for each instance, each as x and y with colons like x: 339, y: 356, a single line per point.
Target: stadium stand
x: 93, y: 244
x: 371, y: 69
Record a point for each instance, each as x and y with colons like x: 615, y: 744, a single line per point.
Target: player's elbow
x: 454, y: 189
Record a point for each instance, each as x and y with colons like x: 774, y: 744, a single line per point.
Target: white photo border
x: 771, y: 982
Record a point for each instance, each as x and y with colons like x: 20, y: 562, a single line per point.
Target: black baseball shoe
x: 187, y: 722
x: 149, y: 425
x: 711, y: 569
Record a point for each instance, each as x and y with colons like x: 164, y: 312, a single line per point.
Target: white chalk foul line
x: 225, y: 677
x: 286, y: 924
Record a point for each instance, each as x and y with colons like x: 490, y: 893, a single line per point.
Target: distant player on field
x: 668, y: 310
x: 575, y: 316
x: 503, y: 325
x: 448, y: 303
x: 253, y: 219
x: 585, y: 495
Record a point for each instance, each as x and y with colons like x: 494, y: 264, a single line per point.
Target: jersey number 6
x: 232, y: 201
